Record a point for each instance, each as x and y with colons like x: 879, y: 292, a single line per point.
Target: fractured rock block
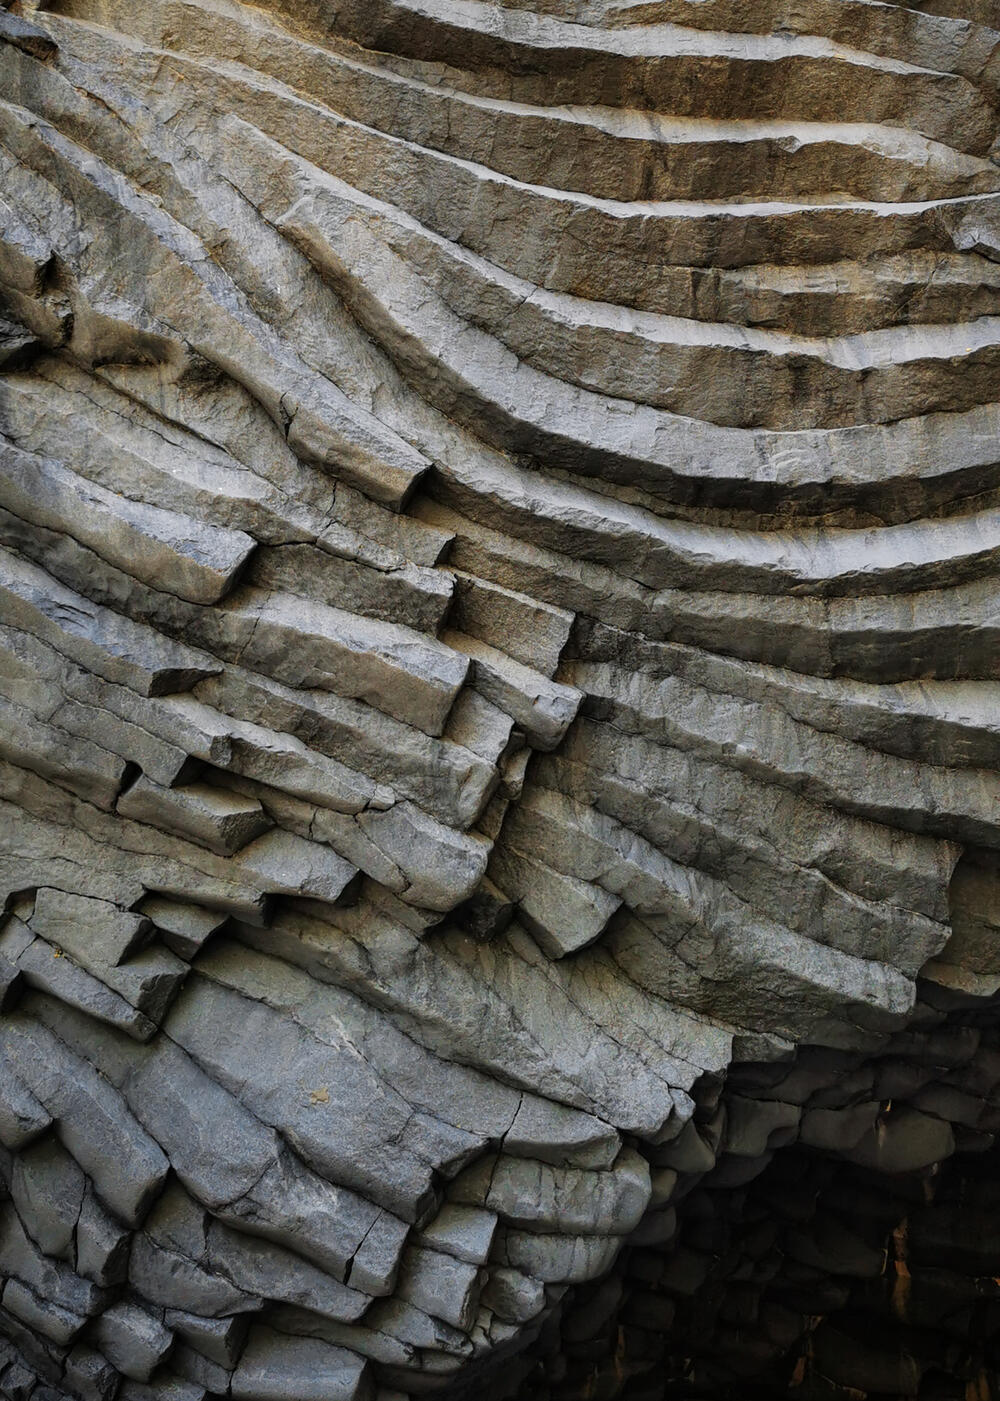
x: 563, y: 913
x: 213, y: 817
x: 22, y: 1116
x: 440, y: 1285
x: 92, y: 1120
x: 132, y: 1340
x: 93, y: 931
x: 466, y: 1232
x: 286, y: 864
x: 497, y: 509
x: 183, y: 928
x: 47, y: 1189
x: 221, y: 1340
x: 276, y: 1367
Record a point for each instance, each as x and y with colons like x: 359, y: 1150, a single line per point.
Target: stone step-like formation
x: 499, y: 540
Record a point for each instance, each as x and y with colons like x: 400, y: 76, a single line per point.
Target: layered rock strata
x: 499, y: 538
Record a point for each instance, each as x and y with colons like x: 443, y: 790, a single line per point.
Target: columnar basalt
x: 499, y: 700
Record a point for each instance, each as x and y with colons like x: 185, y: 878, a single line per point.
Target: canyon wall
x: 499, y: 707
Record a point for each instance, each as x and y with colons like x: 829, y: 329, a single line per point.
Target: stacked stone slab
x: 499, y: 677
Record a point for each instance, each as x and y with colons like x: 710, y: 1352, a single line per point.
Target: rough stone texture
x: 499, y: 691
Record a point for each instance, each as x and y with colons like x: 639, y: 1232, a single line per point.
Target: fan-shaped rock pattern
x: 499, y: 678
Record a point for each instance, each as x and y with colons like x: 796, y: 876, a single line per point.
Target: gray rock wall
x: 499, y: 537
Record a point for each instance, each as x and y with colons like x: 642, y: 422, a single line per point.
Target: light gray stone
x: 114, y: 647
x: 563, y: 913
x: 275, y: 1367
x: 47, y: 967
x: 285, y: 864
x: 536, y: 1195
x: 440, y: 1285
x: 513, y: 1296
x: 92, y: 931
x: 463, y: 1231
x: 213, y: 817
x: 497, y: 510
x: 171, y: 551
x: 558, y: 1259
x: 93, y: 1121
x: 556, y: 1134
x: 275, y: 1273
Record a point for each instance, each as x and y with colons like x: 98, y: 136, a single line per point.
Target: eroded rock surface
x: 499, y: 700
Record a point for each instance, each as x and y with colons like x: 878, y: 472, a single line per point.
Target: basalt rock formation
x: 499, y: 700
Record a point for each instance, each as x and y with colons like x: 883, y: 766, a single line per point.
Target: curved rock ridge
x: 499, y: 694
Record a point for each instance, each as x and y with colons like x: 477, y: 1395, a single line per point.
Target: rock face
x: 499, y: 700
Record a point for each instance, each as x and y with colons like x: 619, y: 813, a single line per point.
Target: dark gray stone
x: 132, y: 1340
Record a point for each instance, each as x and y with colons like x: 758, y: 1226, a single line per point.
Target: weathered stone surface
x: 220, y: 820
x: 462, y: 1231
x: 132, y: 1340
x: 92, y: 1120
x: 280, y: 1368
x: 91, y: 929
x: 498, y: 699
x: 47, y: 1189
